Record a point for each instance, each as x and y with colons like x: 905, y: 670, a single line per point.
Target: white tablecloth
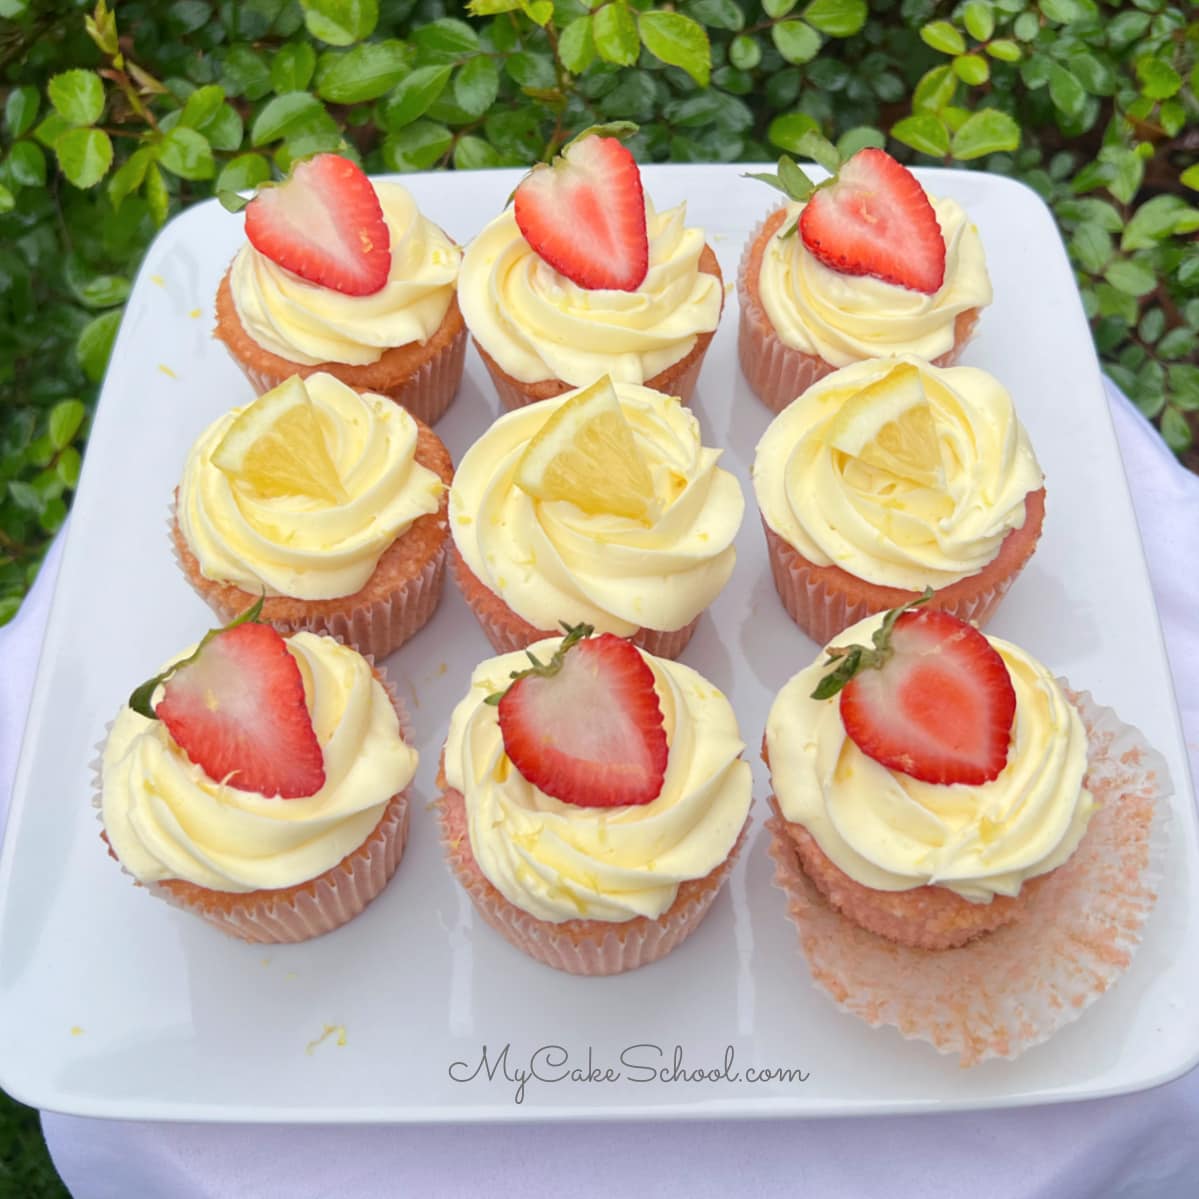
x: 1135, y: 1147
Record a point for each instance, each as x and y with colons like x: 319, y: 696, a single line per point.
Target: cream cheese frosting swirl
x: 551, y: 562
x: 166, y: 819
x: 558, y: 861
x: 901, y: 473
x: 302, y: 546
x: 893, y: 833
x: 309, y: 324
x: 843, y: 318
x: 539, y: 325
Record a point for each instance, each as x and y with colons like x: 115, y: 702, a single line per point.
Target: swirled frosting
x: 302, y: 546
x: 892, y: 832
x: 309, y: 324
x: 538, y: 325
x: 166, y: 819
x: 550, y: 561
x: 842, y: 318
x: 901, y: 473
x: 559, y: 861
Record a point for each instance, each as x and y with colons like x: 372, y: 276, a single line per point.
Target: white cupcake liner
x: 1013, y: 988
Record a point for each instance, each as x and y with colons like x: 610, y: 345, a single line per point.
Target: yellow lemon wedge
x: 889, y: 425
x: 277, y: 447
x: 586, y: 453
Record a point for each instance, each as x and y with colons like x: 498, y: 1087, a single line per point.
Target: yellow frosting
x: 538, y: 325
x: 301, y: 546
x: 166, y: 819
x: 559, y: 861
x: 892, y: 832
x: 552, y: 562
x: 842, y: 318
x: 878, y: 525
x: 305, y: 323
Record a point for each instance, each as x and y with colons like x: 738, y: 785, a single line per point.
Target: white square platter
x: 113, y: 1004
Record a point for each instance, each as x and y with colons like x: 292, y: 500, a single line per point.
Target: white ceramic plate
x: 114, y: 1004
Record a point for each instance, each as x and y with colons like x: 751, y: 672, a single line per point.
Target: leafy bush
x: 109, y: 128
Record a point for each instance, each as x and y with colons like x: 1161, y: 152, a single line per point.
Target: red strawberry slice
x: 874, y: 219
x: 324, y: 224
x: 941, y: 706
x: 585, y: 215
x: 589, y: 733
x: 237, y: 710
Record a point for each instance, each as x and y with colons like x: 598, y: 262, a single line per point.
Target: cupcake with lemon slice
x: 892, y: 475
x: 328, y: 502
x: 601, y: 507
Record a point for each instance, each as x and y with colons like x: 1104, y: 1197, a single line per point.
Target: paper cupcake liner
x: 1013, y: 988
x: 778, y: 373
x: 509, y: 633
x: 303, y: 911
x: 587, y: 947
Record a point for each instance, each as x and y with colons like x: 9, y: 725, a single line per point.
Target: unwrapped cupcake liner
x: 303, y: 911
x: 586, y: 947
x: 1013, y: 988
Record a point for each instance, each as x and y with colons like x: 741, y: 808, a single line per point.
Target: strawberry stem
x: 573, y: 635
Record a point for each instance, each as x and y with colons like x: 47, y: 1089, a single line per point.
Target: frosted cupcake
x: 601, y: 506
x: 345, y: 276
x: 892, y: 475
x: 261, y: 785
x: 593, y: 811
x: 329, y: 502
x: 581, y: 277
x: 869, y: 266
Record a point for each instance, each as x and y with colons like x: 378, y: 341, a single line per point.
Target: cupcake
x: 869, y: 266
x: 593, y: 801
x: 602, y: 506
x: 891, y: 475
x: 581, y: 277
x: 344, y: 276
x: 260, y: 783
x: 328, y: 502
x: 963, y: 852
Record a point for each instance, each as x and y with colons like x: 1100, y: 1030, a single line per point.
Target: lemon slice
x: 889, y: 425
x: 277, y: 447
x: 586, y: 453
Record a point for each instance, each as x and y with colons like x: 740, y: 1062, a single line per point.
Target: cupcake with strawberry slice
x: 964, y: 842
x: 864, y: 265
x: 260, y: 782
x: 594, y: 800
x: 580, y: 277
x: 344, y: 276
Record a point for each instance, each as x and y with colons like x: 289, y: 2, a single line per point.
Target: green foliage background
x: 114, y: 120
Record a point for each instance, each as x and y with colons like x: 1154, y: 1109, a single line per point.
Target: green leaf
x: 340, y: 22
x: 77, y: 96
x: 26, y: 496
x: 281, y: 115
x: 292, y: 67
x: 1173, y: 115
x: 1124, y: 171
x: 1190, y: 177
x: 778, y: 8
x: 158, y: 199
x: 1131, y: 277
x: 819, y: 149
x: 972, y: 69
x: 413, y: 95
x: 787, y: 131
x: 1061, y: 11
x: 923, y: 131
x: 202, y: 105
x: 476, y: 85
x: 84, y: 156
x: 1004, y: 49
x: 1067, y: 94
x: 576, y: 46
x: 243, y: 173
x: 538, y: 11
x: 473, y: 153
x: 417, y: 147
x: 1125, y: 28
x: 1159, y: 80
x: 244, y: 72
x: 935, y: 90
x: 837, y: 18
x: 1176, y: 431
x: 1026, y: 26
x: 1091, y: 247
x: 20, y: 109
x: 66, y: 419
x: 68, y: 466
x: 796, y: 41
x: 718, y: 14
x: 27, y: 164
x: 987, y: 131
x: 224, y: 129
x: 1179, y: 343
x: 1093, y: 73
x: 363, y: 73
x: 533, y: 71
x: 447, y: 36
x: 1089, y: 209
x: 858, y: 138
x: 615, y: 34
x: 186, y: 153
x: 490, y: 8
x: 129, y: 175
x: 678, y: 41
x: 794, y: 181
x: 745, y: 52
x: 979, y: 18
x: 1154, y: 220
x: 95, y: 343
x: 1184, y: 386
x: 943, y: 36
x: 1152, y: 326
x: 103, y: 291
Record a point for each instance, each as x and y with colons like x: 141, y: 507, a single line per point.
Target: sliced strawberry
x: 587, y: 726
x: 324, y: 224
x: 237, y: 710
x: 874, y: 219
x: 585, y: 215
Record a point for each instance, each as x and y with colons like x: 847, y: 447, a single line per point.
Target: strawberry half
x: 585, y: 215
x: 237, y: 709
x: 933, y: 699
x: 587, y: 727
x: 324, y: 224
x: 874, y: 219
